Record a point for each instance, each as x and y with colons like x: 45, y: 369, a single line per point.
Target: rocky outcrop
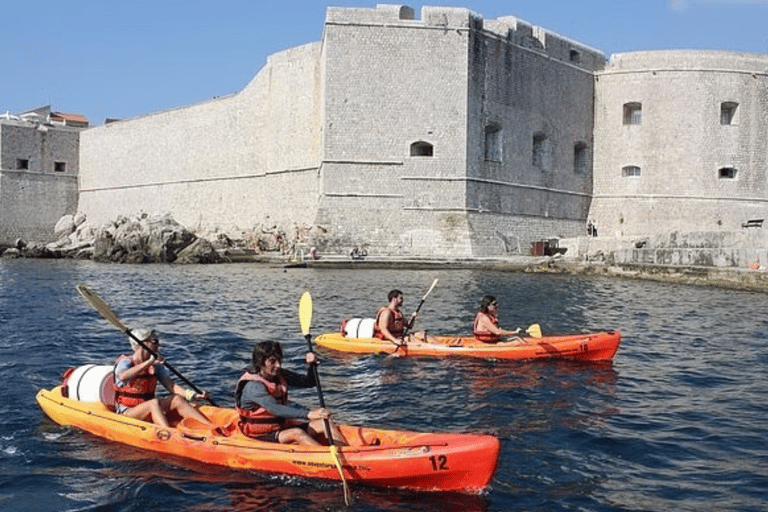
x: 160, y: 239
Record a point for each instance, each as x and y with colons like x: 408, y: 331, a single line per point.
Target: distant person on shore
x: 390, y: 323
x: 261, y: 399
x: 486, y: 327
x: 136, y: 378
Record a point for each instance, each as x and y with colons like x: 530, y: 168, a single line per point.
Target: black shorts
x: 272, y: 437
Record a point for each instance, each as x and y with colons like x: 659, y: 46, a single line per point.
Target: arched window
x: 629, y: 171
x: 421, y: 148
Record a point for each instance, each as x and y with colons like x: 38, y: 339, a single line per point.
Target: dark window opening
x: 727, y: 112
x: 493, y: 145
x: 541, y: 151
x: 421, y: 148
x: 22, y: 163
x: 728, y: 173
x: 575, y: 56
x: 630, y: 171
x: 580, y: 158
x: 633, y: 113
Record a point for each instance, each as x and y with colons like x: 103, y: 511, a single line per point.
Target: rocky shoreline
x: 160, y: 239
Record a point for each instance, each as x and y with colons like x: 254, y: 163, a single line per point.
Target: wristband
x: 189, y: 394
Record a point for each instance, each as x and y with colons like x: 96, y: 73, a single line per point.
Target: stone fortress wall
x: 698, y: 146
x: 39, y: 165
x: 333, y: 134
x: 226, y: 164
x: 448, y: 135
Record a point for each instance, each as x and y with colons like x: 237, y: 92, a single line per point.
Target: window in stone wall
x: 421, y: 148
x: 580, y: 158
x: 633, y: 113
x: 60, y: 166
x: 726, y: 173
x: 22, y: 163
x: 575, y: 56
x: 728, y: 112
x: 630, y: 171
x: 540, y: 157
x: 493, y: 143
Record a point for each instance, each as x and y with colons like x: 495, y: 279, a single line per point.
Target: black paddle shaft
x: 320, y: 392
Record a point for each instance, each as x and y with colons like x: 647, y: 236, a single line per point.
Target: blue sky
x: 122, y: 59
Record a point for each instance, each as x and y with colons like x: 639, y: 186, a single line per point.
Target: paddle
x: 305, y: 318
x: 534, y: 330
x: 106, y: 312
x: 405, y: 331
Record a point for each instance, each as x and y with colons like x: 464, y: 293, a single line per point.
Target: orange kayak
x: 386, y: 458
x: 597, y: 346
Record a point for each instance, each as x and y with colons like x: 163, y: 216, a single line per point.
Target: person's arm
x: 126, y: 371
x: 255, y: 395
x: 484, y: 324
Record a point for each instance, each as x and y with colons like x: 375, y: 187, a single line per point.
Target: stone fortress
x: 451, y: 135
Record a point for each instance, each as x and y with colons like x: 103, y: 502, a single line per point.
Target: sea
x: 678, y: 421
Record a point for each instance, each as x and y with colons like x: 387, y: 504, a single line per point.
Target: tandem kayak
x: 384, y: 458
x: 594, y: 346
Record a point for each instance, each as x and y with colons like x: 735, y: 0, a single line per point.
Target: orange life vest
x: 396, y: 325
x: 139, y: 389
x: 258, y: 422
x: 486, y: 336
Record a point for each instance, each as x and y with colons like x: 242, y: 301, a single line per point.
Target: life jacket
x: 486, y: 336
x: 139, y: 389
x: 258, y: 422
x: 396, y: 325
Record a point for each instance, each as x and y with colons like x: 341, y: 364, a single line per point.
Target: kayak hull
x: 383, y: 458
x: 595, y: 346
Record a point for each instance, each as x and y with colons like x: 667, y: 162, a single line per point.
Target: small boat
x: 375, y: 457
x: 593, y: 346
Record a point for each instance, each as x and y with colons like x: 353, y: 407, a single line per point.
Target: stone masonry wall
x: 32, y: 200
x: 226, y: 164
x: 681, y: 145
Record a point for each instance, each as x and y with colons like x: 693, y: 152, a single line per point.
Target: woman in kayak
x: 486, y: 327
x: 136, y: 378
x: 261, y: 399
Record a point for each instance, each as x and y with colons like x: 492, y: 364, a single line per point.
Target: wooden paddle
x: 106, y: 312
x: 434, y: 283
x: 305, y: 318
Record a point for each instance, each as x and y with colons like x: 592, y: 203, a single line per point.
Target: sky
x: 123, y: 59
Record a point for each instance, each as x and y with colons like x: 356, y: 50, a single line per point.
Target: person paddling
x: 486, y: 327
x: 390, y: 324
x: 136, y: 378
x: 261, y: 400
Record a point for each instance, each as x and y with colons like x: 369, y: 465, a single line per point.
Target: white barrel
x: 86, y: 382
x: 359, y: 328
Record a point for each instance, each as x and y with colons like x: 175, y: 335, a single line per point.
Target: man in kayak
x: 136, y: 378
x: 486, y: 327
x: 261, y: 399
x: 390, y: 324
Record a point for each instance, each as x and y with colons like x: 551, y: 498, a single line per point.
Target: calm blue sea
x: 677, y: 422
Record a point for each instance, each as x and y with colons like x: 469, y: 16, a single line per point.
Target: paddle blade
x: 434, y: 283
x: 534, y: 330
x: 305, y: 313
x: 102, y: 307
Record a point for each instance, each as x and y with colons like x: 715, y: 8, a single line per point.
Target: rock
x: 199, y: 251
x: 65, y: 226
x: 12, y: 252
